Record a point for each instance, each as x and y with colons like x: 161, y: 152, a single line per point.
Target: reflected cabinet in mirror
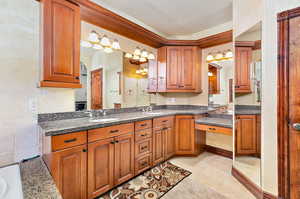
x: 110, y: 77
x: 247, y: 89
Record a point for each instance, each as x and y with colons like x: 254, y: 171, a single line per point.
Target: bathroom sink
x: 104, y: 120
x: 3, y: 187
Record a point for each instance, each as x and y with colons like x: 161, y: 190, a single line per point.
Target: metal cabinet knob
x: 296, y: 126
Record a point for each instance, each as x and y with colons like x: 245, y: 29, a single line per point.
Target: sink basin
x: 104, y: 120
x: 3, y: 187
x: 153, y: 113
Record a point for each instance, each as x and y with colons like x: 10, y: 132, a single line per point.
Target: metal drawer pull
x: 213, y: 129
x: 296, y: 126
x: 144, y: 164
x: 143, y: 124
x: 71, y: 140
x: 143, y: 135
x: 164, y: 120
x: 144, y: 147
x: 114, y: 131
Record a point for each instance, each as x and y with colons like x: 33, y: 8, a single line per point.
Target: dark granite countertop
x: 58, y: 127
x: 247, y: 112
x: 215, y: 121
x: 37, y: 182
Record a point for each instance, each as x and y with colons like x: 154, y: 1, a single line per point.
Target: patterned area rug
x: 152, y: 184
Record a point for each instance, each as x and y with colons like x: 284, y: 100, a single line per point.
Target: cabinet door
x: 158, y: 145
x: 61, y: 41
x: 100, y: 167
x: 246, y: 142
x: 124, y: 158
x: 162, y: 69
x: 185, y: 135
x: 188, y: 72
x: 68, y: 169
x: 242, y: 69
x: 169, y: 141
x: 152, y: 76
x: 174, y: 62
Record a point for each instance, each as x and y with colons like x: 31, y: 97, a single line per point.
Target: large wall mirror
x: 111, y: 77
x: 248, y: 67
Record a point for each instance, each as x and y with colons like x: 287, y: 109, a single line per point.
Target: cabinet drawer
x: 143, y: 134
x: 60, y: 142
x: 143, y: 163
x: 214, y: 129
x: 163, y: 121
x: 146, y: 124
x: 111, y: 131
x: 143, y: 147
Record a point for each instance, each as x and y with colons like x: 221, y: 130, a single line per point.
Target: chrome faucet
x: 90, y: 113
x: 147, y: 109
x: 103, y: 112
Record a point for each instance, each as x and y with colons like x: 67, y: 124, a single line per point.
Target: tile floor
x: 211, y: 179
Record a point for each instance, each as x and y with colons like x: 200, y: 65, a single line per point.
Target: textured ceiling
x: 173, y: 17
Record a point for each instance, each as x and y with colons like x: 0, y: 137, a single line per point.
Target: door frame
x: 283, y: 135
x: 93, y: 71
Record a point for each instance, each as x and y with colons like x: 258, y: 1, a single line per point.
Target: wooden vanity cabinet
x: 178, y: 69
x: 163, y: 139
x: 188, y: 141
x: 243, y: 58
x: 60, y: 44
x: 247, y: 135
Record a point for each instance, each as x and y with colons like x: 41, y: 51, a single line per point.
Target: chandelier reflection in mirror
x: 97, y: 42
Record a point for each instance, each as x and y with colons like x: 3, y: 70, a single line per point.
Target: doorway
x: 96, y: 88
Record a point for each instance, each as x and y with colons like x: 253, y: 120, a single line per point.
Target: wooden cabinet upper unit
x: 60, y: 44
x: 178, y: 69
x: 243, y: 58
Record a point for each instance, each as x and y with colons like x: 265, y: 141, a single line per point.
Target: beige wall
x: 269, y: 90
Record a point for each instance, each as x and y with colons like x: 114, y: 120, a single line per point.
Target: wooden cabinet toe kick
x: 213, y: 129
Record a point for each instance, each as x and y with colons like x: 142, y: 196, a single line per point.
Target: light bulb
x: 229, y: 54
x: 116, y: 45
x: 85, y: 44
x: 128, y: 55
x: 210, y: 74
x: 209, y: 58
x: 108, y: 50
x: 105, y: 41
x: 137, y: 51
x: 144, y: 54
x: 151, y: 56
x: 97, y: 47
x: 138, y: 71
x: 93, y: 37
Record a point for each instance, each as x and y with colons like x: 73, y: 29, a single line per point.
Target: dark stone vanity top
x: 58, y: 127
x: 37, y: 182
x: 225, y: 122
x: 247, y: 110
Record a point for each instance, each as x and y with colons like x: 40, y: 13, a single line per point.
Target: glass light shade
x: 93, y: 37
x: 144, y: 54
x: 210, y: 74
x: 137, y: 51
x: 143, y: 59
x: 116, y: 45
x: 209, y: 58
x: 219, y: 56
x: 97, y: 47
x: 108, y: 50
x: 151, y: 56
x: 229, y: 54
x: 138, y: 71
x: 85, y: 44
x: 105, y: 41
x: 128, y: 55
x: 136, y: 57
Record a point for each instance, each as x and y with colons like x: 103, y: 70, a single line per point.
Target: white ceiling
x: 173, y: 17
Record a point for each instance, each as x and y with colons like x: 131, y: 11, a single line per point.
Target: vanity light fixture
x: 151, y: 56
x: 105, y: 41
x: 137, y: 51
x: 116, y: 45
x: 219, y: 56
x: 128, y: 55
x: 93, y: 37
